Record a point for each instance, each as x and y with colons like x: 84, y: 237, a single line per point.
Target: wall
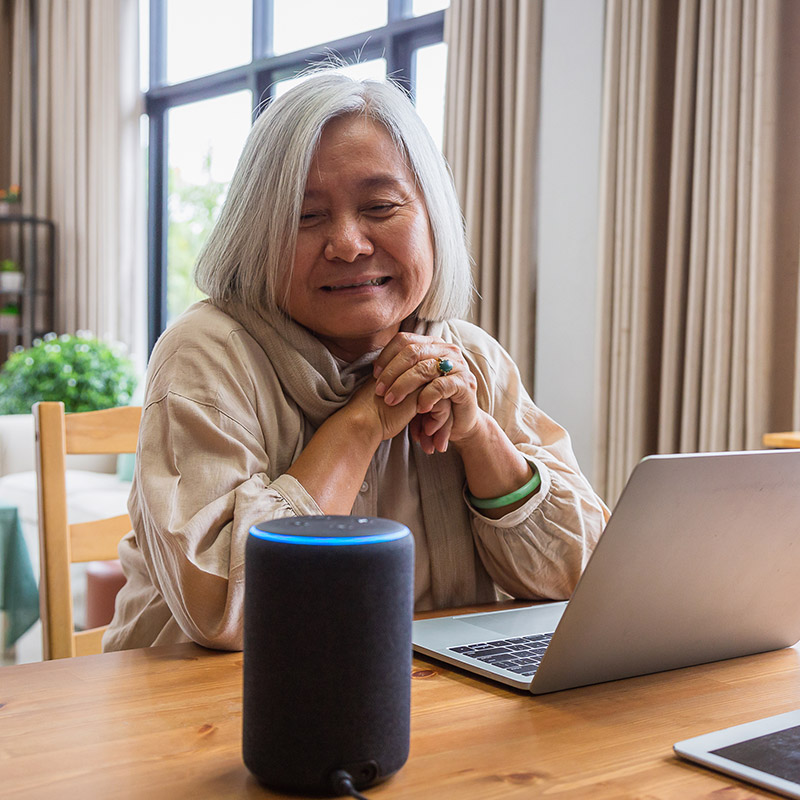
x: 572, y: 60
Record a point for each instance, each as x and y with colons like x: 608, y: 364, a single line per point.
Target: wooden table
x: 787, y: 439
x: 165, y: 722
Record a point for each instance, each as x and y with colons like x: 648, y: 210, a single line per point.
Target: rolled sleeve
x: 538, y: 550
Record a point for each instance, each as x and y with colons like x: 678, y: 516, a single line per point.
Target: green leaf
x: 85, y: 373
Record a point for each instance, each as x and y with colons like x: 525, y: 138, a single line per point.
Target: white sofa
x: 93, y: 491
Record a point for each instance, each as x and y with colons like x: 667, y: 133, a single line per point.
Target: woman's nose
x: 347, y: 241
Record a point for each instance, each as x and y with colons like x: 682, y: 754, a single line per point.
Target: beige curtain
x: 6, y: 42
x: 18, y: 153
x: 75, y: 151
x: 491, y: 119
x: 700, y: 215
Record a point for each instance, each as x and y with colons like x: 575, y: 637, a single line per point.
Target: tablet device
x: 765, y: 752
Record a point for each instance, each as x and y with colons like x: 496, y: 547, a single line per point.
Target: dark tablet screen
x: 776, y: 753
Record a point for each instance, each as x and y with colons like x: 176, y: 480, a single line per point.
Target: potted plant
x: 9, y: 317
x: 81, y: 371
x: 10, y: 199
x: 11, y: 277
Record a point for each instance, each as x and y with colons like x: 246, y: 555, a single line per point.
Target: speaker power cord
x: 343, y: 784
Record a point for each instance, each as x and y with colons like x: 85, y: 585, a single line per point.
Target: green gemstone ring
x: 445, y: 366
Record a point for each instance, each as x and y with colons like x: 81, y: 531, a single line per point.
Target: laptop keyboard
x: 521, y: 655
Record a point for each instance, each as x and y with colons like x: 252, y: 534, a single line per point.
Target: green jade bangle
x: 507, y: 499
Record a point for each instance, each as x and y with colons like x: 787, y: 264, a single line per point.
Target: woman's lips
x: 372, y: 282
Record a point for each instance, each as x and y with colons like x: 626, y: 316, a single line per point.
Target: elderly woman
x: 329, y: 373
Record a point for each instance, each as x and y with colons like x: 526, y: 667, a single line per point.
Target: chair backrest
x: 114, y: 430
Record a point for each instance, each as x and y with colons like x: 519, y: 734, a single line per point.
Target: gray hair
x: 250, y: 250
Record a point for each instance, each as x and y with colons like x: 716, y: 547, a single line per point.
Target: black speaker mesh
x: 327, y: 661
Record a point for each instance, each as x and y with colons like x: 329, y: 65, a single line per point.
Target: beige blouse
x: 231, y: 400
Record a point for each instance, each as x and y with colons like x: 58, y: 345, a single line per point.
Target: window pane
x: 375, y: 69
x: 205, y: 140
x: 430, y: 68
x: 420, y: 7
x: 303, y: 23
x: 205, y: 36
x: 144, y: 46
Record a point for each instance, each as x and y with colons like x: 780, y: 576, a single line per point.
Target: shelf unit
x: 31, y: 243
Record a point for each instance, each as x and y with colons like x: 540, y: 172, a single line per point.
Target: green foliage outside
x: 193, y: 210
x: 84, y: 373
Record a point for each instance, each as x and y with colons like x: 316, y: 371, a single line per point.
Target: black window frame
x: 396, y: 42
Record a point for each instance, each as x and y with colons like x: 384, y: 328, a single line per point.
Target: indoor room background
x: 628, y: 170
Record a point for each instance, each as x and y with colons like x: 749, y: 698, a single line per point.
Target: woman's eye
x: 382, y: 208
x: 310, y: 218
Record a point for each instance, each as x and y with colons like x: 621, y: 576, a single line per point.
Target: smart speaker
x: 327, y: 651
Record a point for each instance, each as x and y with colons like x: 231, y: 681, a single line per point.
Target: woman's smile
x: 367, y: 283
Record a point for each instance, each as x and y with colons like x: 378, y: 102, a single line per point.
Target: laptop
x: 699, y: 562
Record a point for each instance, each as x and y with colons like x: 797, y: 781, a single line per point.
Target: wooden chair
x: 114, y: 430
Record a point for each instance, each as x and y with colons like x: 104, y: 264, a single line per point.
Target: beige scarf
x: 314, y: 380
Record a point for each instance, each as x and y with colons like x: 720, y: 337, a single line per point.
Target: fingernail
x: 379, y: 389
x: 376, y: 370
x: 389, y: 399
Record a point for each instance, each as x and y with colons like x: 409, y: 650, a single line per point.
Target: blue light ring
x: 336, y: 541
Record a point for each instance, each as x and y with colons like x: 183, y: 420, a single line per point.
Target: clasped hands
x: 408, y: 388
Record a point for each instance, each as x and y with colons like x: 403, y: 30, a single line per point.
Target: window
x: 211, y: 64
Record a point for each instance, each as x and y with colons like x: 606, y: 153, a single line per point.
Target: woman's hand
x: 432, y: 430
x: 446, y: 405
x: 447, y: 411
x: 384, y: 420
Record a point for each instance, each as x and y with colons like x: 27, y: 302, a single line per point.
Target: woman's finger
x: 416, y: 366
x: 412, y: 379
x: 434, y: 428
x: 398, y: 343
x: 434, y: 419
x: 454, y: 388
x: 422, y: 356
x: 438, y: 440
x: 442, y: 437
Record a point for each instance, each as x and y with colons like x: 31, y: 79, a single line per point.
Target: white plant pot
x: 11, y: 281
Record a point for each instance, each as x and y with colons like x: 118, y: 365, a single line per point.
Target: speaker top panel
x: 330, y: 530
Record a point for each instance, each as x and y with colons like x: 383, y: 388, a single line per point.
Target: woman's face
x: 364, y: 257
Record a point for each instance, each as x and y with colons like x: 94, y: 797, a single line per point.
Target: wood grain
x: 98, y: 539
x: 787, y: 439
x: 166, y: 722
x: 113, y: 430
